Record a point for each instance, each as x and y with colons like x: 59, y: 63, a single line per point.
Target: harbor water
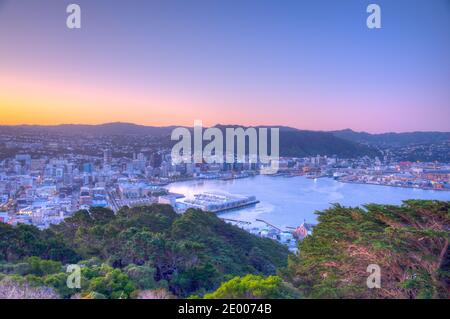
x: 289, y: 201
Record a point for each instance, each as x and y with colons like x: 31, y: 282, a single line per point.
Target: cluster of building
x: 288, y: 237
x: 43, y: 188
x: 43, y: 191
x: 432, y: 176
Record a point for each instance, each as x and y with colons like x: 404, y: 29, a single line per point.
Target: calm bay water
x: 290, y: 201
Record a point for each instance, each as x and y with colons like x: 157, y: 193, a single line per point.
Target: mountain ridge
x: 282, y: 127
x: 294, y: 142
x: 392, y: 138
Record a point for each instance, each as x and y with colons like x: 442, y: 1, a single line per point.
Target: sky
x: 306, y: 64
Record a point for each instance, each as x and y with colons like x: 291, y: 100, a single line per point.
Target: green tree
x: 110, y: 282
x: 408, y: 242
x: 40, y: 267
x: 254, y: 287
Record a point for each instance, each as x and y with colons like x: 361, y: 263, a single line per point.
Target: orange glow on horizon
x: 55, y: 99
x: 44, y: 101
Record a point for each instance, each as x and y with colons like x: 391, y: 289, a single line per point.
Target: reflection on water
x: 290, y: 201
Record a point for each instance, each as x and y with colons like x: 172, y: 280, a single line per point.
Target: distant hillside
x: 107, y: 129
x: 298, y: 143
x: 393, y: 139
x: 293, y: 142
x: 302, y: 143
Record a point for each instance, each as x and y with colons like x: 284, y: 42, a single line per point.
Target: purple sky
x: 306, y: 64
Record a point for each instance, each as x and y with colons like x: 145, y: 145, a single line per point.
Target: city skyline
x: 308, y: 65
x: 224, y: 149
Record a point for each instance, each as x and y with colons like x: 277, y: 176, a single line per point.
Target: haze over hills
x: 293, y: 142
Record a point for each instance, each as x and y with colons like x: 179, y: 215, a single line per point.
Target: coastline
x: 311, y: 178
x: 397, y: 186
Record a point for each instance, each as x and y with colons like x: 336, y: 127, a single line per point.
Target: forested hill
x: 409, y: 243
x: 151, y: 252
x: 139, y: 249
x: 302, y: 143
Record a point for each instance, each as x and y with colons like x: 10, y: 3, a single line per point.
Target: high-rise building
x: 107, y: 156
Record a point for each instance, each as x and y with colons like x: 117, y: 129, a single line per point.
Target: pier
x: 269, y: 224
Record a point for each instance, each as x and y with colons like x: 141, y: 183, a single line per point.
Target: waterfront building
x: 216, y: 202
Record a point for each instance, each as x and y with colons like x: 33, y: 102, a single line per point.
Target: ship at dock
x: 217, y: 202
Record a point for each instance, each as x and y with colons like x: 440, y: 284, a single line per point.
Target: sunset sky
x: 306, y: 64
